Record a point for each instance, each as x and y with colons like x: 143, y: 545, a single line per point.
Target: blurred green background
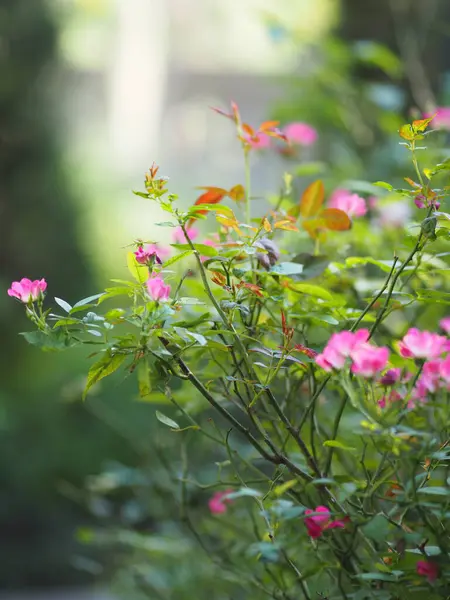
x: 91, y: 92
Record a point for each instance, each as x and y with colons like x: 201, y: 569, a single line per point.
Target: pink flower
x: 301, y: 134
x: 26, y: 290
x: 369, y: 360
x: 339, y: 347
x: 427, y: 569
x: 143, y: 255
x: 352, y: 204
x: 157, y: 289
x: 445, y: 324
x: 320, y: 521
x: 178, y: 235
x: 393, y: 396
x: 217, y: 503
x: 260, y: 141
x: 422, y: 344
x: 442, y: 118
x: 430, y: 377
x: 444, y: 369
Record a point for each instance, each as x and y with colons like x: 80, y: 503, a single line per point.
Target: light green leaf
x: 339, y: 445
x: 312, y: 290
x: 102, y: 368
x: 287, y: 268
x: 176, y: 258
x: 139, y: 272
x: 63, y: 304
x: 166, y: 420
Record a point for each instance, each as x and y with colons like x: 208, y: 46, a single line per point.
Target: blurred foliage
x: 44, y: 437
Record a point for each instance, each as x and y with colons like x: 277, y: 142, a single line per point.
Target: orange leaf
x: 248, y: 130
x: 315, y: 228
x: 335, y: 219
x: 266, y: 225
x: 312, y: 199
x: 422, y: 124
x: 286, y: 225
x: 411, y: 182
x: 268, y: 125
x: 213, y: 195
x: 255, y: 289
x: 237, y: 193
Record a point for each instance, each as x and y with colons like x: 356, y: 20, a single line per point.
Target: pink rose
x: 339, y: 348
x: 178, y: 235
x: 445, y: 324
x: 320, y: 521
x: 369, y: 360
x: 217, y: 502
x: 157, y: 289
x: 145, y: 254
x: 428, y: 569
x: 300, y: 134
x: 422, y: 344
x: 26, y: 290
x: 352, y: 204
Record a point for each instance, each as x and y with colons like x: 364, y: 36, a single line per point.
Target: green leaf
x: 356, y: 261
x: 310, y: 168
x: 339, y: 445
x: 87, y: 300
x: 102, y: 368
x: 384, y: 185
x: 287, y: 268
x: 202, y: 249
x: 312, y: 290
x: 143, y: 377
x: 63, y: 304
x: 66, y: 322
x: 49, y: 342
x: 166, y: 224
x: 166, y: 421
x: 112, y: 293
x: 377, y: 529
x: 434, y: 491
x: 379, y: 56
x: 190, y: 301
x: 176, y: 258
x: 139, y: 272
x: 243, y: 492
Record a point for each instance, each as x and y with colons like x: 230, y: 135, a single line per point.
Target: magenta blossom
x: 422, y: 344
x: 428, y: 569
x: 445, y: 324
x: 157, y: 289
x: 369, y: 360
x: 300, y: 134
x: 144, y: 255
x: 179, y: 237
x: 217, y: 503
x: 444, y: 369
x: 260, y: 141
x: 339, y: 348
x: 320, y: 521
x: 26, y: 290
x: 352, y: 204
x: 442, y: 118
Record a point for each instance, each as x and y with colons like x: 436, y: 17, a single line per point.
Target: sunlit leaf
x: 237, y: 193
x: 102, y: 368
x: 166, y: 420
x: 312, y: 199
x: 335, y: 219
x: 139, y: 272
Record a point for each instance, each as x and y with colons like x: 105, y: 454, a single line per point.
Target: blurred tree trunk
x: 416, y: 30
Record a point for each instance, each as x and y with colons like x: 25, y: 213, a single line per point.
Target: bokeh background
x: 91, y: 93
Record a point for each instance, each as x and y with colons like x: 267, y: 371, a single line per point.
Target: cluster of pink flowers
x: 148, y: 253
x: 26, y: 290
x: 297, y: 134
x: 218, y: 502
x: 366, y: 359
x: 319, y: 520
x: 352, y: 204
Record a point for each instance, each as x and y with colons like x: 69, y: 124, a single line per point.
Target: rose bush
x: 303, y: 370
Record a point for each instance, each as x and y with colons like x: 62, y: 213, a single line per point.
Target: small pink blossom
x: 217, y: 503
x: 320, y: 521
x: 422, y: 344
x: 444, y: 369
x: 26, y: 290
x: 339, y: 347
x: 300, y: 134
x: 445, y: 324
x: 144, y: 254
x: 260, y: 141
x: 442, y: 118
x: 369, y: 360
x: 430, y: 377
x: 157, y: 289
x: 428, y: 569
x: 352, y: 204
x: 178, y: 235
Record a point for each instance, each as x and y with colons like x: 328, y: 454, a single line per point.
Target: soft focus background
x: 91, y: 93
